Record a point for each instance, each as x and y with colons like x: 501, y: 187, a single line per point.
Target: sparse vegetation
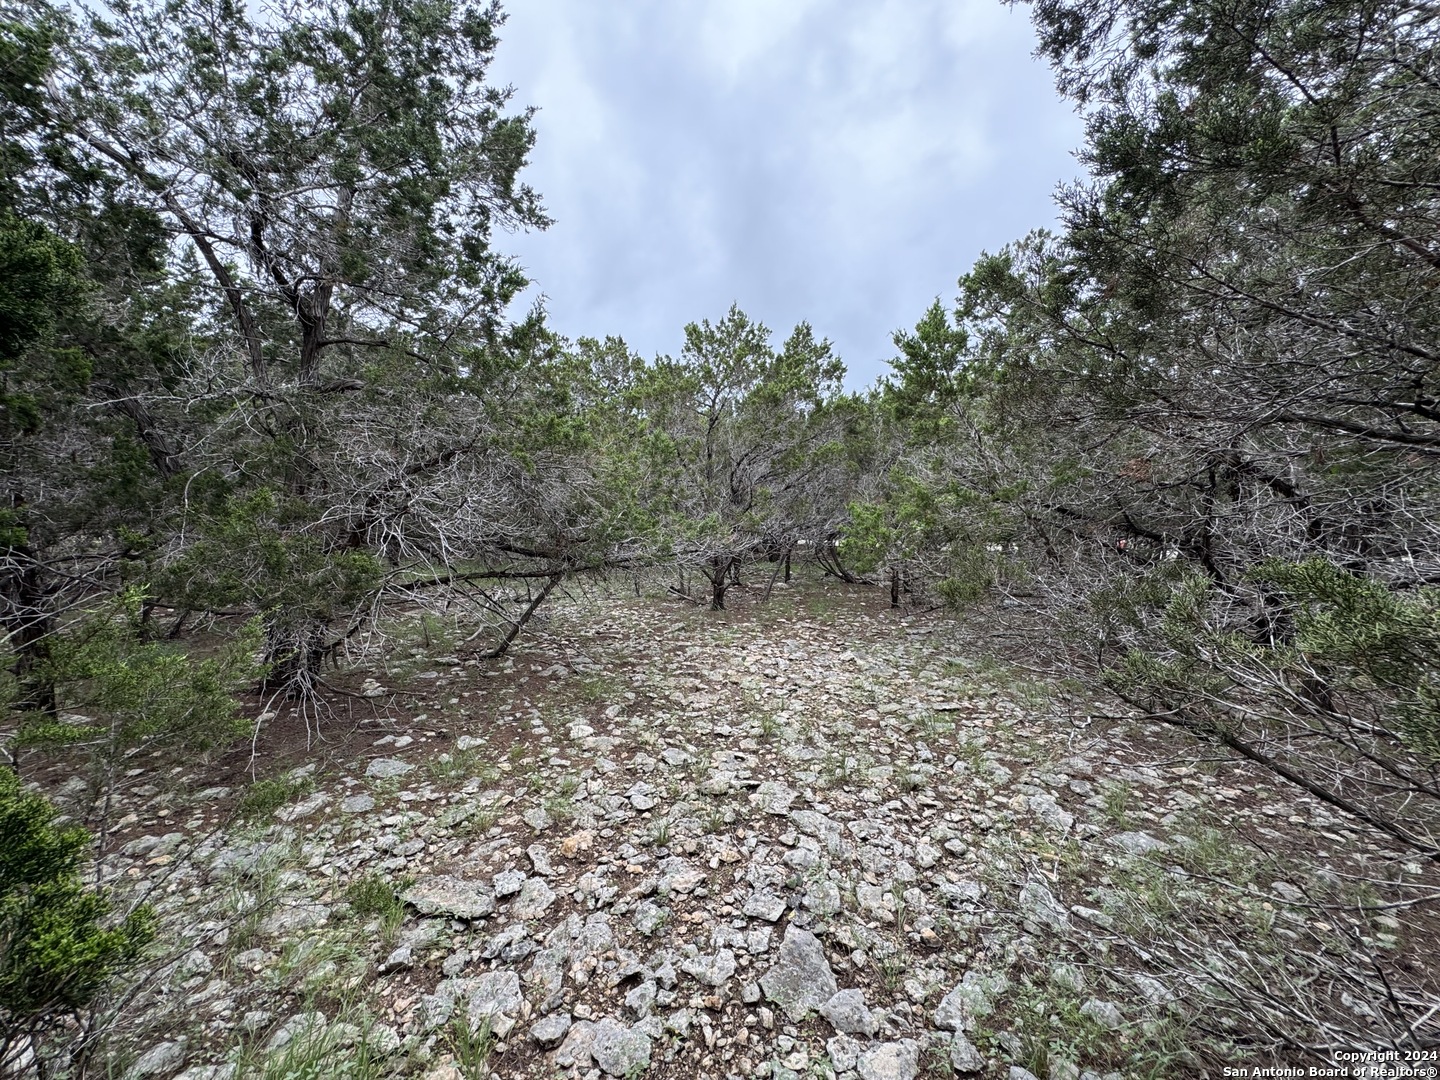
x: 264, y: 797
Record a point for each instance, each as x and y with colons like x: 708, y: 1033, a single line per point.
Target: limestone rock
x: 387, y: 768
x: 890, y: 1061
x: 450, y: 896
x: 550, y: 1029
x: 848, y: 1015
x: 801, y: 979
x: 534, y: 900
x: 620, y: 1050
x: 495, y: 1000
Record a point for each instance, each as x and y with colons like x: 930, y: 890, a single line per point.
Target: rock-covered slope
x: 806, y: 839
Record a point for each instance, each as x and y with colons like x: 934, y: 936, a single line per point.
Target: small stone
x: 540, y: 859
x: 619, y: 1050
x: 507, y: 883
x: 969, y: 1000
x: 890, y: 1061
x: 1137, y: 843
x: 649, y: 918
x: 762, y: 905
x: 450, y: 896
x: 641, y: 999
x: 158, y: 1060
x: 711, y: 970
x: 534, y: 900
x: 400, y: 958
x: 773, y: 797
x: 575, y: 1050
x: 642, y: 796
x: 495, y: 1002
x: 822, y: 897
x: 1040, y: 905
x: 550, y: 1030
x: 964, y: 1058
x: 581, y: 841
x: 1051, y: 813
x: 357, y: 804
x: 297, y: 1029
x: 387, y: 768
x: 801, y: 979
x: 1106, y: 1013
x: 844, y: 1052
x: 848, y: 1015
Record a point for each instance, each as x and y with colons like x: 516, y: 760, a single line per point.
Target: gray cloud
x: 831, y: 161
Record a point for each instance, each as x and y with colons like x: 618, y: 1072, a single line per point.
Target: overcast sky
x: 826, y: 160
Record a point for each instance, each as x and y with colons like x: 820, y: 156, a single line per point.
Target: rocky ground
x: 804, y: 838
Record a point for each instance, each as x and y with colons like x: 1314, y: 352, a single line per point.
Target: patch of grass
x: 971, y: 751
x: 1214, y: 853
x: 479, y: 819
x: 472, y: 1047
x: 841, y: 767
x: 715, y: 821
x: 1051, y: 1029
x: 250, y: 895
x: 454, y: 766
x: 264, y: 797
x: 599, y: 689
x: 930, y: 725
x: 1118, y: 796
x: 700, y: 769
x: 908, y: 779
x: 375, y: 896
x: 770, y: 725
x: 936, y: 1061
x: 322, y: 1056
x: 823, y: 605
x: 318, y: 966
x: 902, y: 909
x: 660, y: 834
x: 892, y: 967
x: 560, y: 808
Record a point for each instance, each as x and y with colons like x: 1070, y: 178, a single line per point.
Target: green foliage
x: 373, y: 896
x: 263, y: 551
x: 264, y: 797
x: 929, y: 372
x: 1367, y: 638
x: 122, y: 691
x: 736, y: 436
x: 60, y: 943
x: 39, y: 280
x: 472, y: 1047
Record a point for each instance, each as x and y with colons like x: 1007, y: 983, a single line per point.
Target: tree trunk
x: 894, y: 586
x: 719, y: 582
x: 29, y: 623
x: 535, y: 601
x: 294, y: 651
